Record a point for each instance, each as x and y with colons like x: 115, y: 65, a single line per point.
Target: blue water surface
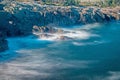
x: 94, y: 58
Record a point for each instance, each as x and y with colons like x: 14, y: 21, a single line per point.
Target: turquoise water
x: 92, y: 57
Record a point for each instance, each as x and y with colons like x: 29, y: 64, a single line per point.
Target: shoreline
x: 18, y: 19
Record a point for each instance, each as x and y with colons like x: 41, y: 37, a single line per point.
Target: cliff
x: 21, y: 17
x: 3, y: 42
x: 18, y: 19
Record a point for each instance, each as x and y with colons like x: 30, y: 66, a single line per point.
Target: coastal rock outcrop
x: 115, y: 12
x: 21, y: 17
x: 3, y: 42
x: 18, y: 19
x: 46, y: 32
x: 44, y: 29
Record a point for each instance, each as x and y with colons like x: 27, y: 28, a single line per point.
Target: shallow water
x: 94, y: 56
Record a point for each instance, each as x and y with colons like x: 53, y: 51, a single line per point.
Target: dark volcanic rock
x: 1, y: 7
x: 3, y: 42
x: 19, y: 18
x: 44, y: 29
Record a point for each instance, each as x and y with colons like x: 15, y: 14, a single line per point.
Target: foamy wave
x: 67, y: 34
x: 88, y: 43
x: 91, y: 26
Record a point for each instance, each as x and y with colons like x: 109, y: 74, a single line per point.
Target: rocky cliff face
x: 115, y: 12
x: 3, y: 42
x: 18, y: 19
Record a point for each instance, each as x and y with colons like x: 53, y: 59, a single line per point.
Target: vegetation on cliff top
x: 100, y: 3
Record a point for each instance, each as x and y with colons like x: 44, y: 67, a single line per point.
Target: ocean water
x: 93, y: 53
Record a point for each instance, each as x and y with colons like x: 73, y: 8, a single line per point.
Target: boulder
x: 44, y: 29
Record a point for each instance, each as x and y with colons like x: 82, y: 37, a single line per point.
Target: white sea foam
x: 68, y: 34
x: 91, y: 26
x: 88, y: 43
x: 37, y: 63
x: 44, y: 62
x: 112, y: 75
